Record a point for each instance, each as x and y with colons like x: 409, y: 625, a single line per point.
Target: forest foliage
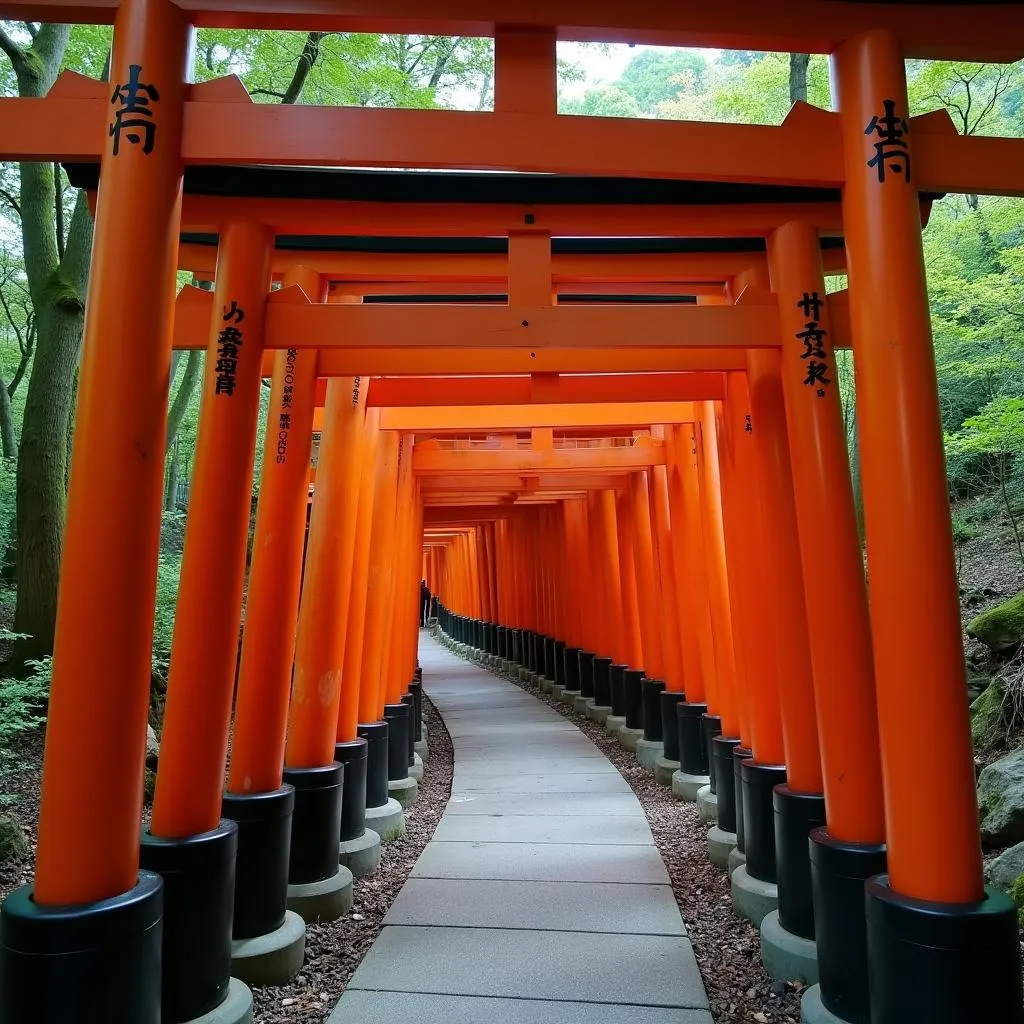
x: 974, y: 250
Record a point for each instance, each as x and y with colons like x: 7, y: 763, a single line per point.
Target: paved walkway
x: 542, y: 898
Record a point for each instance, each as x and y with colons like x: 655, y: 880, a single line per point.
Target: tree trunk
x: 171, y: 488
x: 176, y: 413
x: 8, y: 436
x: 798, y: 63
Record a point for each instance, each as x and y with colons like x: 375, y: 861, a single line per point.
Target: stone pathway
x: 542, y: 898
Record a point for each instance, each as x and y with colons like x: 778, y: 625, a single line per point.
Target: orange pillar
x: 646, y: 585
x: 90, y: 815
x: 931, y: 831
x: 664, y: 539
x: 330, y: 550
x: 268, y: 642
x: 204, y: 652
x: 844, y: 682
x: 608, y: 555
x: 632, y: 653
x: 405, y: 585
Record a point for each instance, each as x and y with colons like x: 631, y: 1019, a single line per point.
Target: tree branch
x: 11, y: 201
x: 58, y: 209
x: 267, y: 92
x: 308, y: 57
x: 31, y: 28
x: 13, y: 51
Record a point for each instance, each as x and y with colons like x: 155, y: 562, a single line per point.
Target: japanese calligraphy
x: 134, y: 115
x: 748, y: 426
x: 229, y: 341
x: 812, y: 337
x: 284, y: 416
x: 892, y: 150
x: 355, y: 390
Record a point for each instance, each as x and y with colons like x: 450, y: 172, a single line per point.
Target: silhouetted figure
x: 425, y: 601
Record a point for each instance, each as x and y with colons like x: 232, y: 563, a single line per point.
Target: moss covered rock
x: 1001, y: 801
x: 149, y: 787
x: 1017, y: 895
x: 1000, y: 629
x: 14, y: 845
x: 988, y: 719
x: 1007, y: 868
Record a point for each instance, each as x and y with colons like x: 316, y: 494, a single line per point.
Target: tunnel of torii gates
x: 595, y: 403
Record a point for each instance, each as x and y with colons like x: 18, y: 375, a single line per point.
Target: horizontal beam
x: 467, y: 419
x: 540, y: 389
x: 430, y: 460
x: 978, y: 32
x: 510, y: 483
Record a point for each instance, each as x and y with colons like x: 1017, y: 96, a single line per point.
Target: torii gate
x: 930, y: 920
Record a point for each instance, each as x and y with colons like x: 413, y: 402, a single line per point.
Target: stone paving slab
x: 618, y: 830
x: 583, y: 804
x: 551, y: 906
x: 521, y: 782
x: 651, y: 970
x: 487, y: 767
x: 543, y: 862
x: 432, y: 1009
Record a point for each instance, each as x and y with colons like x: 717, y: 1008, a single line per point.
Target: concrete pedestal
x: 404, y: 791
x: 581, y: 703
x: 325, y: 900
x: 569, y: 697
x: 664, y: 769
x: 361, y: 856
x: 416, y: 768
x: 556, y: 691
x: 236, y: 1008
x: 707, y: 803
x: 737, y: 858
x: 720, y: 845
x: 272, y: 959
x: 422, y: 749
x: 687, y: 787
x: 387, y: 820
x: 787, y: 957
x: 648, y: 752
x: 814, y: 1011
x: 598, y: 713
x: 614, y: 723
x: 546, y: 685
x: 752, y: 898
x: 629, y: 738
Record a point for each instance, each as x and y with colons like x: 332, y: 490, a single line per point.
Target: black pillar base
x: 631, y: 683
x: 571, y: 668
x: 651, y: 690
x: 416, y: 689
x: 316, y: 822
x: 602, y: 682
x: 617, y: 689
x: 397, y: 717
x: 199, y: 895
x: 943, y: 963
x: 838, y: 873
x: 689, y: 730
x: 261, y: 867
x: 353, y: 755
x: 796, y: 814
x: 549, y: 658
x: 410, y: 730
x: 670, y: 702
x: 586, y: 686
x: 376, y: 736
x: 723, y: 764
x: 712, y: 725
x: 739, y: 755
x: 96, y: 962
x: 559, y: 676
x: 516, y: 643
x: 758, y: 783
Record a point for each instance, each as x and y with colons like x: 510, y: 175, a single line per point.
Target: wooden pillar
x: 646, y: 585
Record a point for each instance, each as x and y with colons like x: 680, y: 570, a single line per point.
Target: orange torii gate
x: 90, y: 927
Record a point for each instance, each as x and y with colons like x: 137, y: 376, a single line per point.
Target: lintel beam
x: 429, y: 460
x: 497, y: 419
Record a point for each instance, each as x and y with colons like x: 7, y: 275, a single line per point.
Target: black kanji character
x: 235, y: 312
x: 225, y: 384
x: 813, y: 338
x: 892, y: 151
x: 811, y: 305
x: 226, y: 365
x: 816, y: 373
x: 134, y: 112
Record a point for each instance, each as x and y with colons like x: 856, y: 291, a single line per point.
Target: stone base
x: 629, y: 738
x: 720, y: 845
x: 388, y: 820
x: 598, y: 713
x: 557, y: 689
x: 361, y: 856
x: 272, y: 959
x: 752, y: 898
x: 664, y: 769
x: 325, y: 900
x: 737, y: 858
x: 814, y: 1011
x: 422, y: 749
x: 614, y: 724
x: 686, y: 787
x: 236, y: 1008
x: 787, y: 957
x: 707, y: 803
x: 546, y: 685
x: 648, y: 752
x: 581, y: 703
x: 404, y: 791
x: 416, y: 768
x: 569, y: 697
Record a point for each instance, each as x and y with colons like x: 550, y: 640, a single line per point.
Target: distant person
x: 425, y: 602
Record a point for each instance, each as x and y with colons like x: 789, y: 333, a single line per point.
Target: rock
x: 149, y: 787
x: 987, y: 718
x: 14, y: 845
x: 1000, y: 629
x: 152, y: 747
x: 1007, y: 868
x: 1001, y: 801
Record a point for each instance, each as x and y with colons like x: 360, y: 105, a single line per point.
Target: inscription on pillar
x: 812, y: 337
x: 284, y: 417
x: 891, y: 146
x: 229, y: 341
x: 133, y: 116
x: 356, y: 381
